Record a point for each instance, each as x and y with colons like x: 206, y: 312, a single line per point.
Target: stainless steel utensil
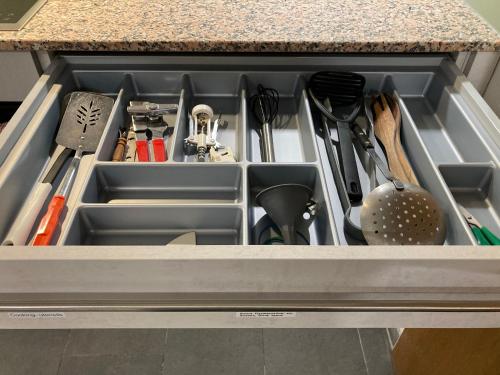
x: 200, y: 131
x: 265, y: 106
x: 81, y: 129
x: 397, y: 213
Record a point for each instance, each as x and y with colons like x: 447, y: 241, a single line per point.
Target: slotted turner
x: 344, y: 90
x: 84, y: 121
x: 81, y: 130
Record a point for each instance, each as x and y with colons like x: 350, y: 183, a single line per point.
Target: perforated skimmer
x: 409, y: 216
x: 397, y: 213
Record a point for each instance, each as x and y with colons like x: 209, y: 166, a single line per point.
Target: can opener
x: 149, y: 123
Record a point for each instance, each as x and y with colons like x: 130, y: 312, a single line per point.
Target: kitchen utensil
x: 218, y: 123
x: 371, y: 125
x: 397, y: 213
x: 285, y: 204
x: 321, y: 125
x: 387, y: 132
x: 120, y: 147
x: 81, y: 129
x: 131, y: 150
x: 396, y: 113
x: 23, y: 224
x: 484, y: 236
x: 368, y: 102
x: 200, y: 131
x: 223, y: 156
x: 266, y: 232
x: 148, y: 122
x: 265, y: 106
x: 345, y: 92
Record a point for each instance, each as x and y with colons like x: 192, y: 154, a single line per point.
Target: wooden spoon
x: 386, y: 131
x: 396, y: 113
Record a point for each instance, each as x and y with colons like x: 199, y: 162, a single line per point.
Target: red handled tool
x: 50, y: 221
x: 81, y: 129
x: 149, y: 124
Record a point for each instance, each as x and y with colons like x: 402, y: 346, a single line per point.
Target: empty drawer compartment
x: 163, y: 184
x: 141, y: 225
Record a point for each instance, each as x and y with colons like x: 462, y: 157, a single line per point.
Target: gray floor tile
x: 377, y: 351
x: 31, y: 351
x: 115, y: 341
x: 313, y: 352
x: 214, y: 352
x: 142, y: 364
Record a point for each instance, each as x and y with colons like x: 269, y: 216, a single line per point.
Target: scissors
x: 483, y: 235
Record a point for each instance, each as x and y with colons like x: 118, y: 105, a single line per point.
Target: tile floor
x: 195, y: 352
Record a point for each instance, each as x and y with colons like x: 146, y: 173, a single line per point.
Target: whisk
x: 265, y: 109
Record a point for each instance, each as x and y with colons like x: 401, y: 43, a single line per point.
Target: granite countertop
x: 255, y: 26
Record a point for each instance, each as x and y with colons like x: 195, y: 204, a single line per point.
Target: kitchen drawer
x: 110, y: 266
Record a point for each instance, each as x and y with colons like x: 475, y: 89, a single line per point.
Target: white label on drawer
x: 266, y: 314
x: 37, y: 315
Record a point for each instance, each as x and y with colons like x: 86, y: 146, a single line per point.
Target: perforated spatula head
x: 84, y: 121
x: 344, y: 90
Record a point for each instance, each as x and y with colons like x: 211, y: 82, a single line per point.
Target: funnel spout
x: 285, y: 205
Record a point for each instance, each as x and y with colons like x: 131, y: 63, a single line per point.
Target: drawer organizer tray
x: 129, y: 203
x: 110, y: 266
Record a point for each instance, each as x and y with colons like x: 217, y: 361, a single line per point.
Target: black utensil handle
x: 349, y: 166
x: 361, y: 136
x: 320, y: 124
x: 331, y: 153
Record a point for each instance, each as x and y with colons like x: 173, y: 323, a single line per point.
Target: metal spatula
x: 81, y: 130
x: 84, y: 121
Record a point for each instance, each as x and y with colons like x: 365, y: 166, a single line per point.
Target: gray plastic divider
x: 446, y: 129
x: 120, y: 118
x: 476, y: 186
x: 222, y: 91
x: 292, y: 133
x: 264, y: 175
x: 228, y: 89
x: 287, y: 170
x: 28, y: 159
x: 437, y: 129
x: 164, y: 183
x: 155, y: 225
x: 428, y: 174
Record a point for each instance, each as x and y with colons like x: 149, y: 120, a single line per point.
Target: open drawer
x: 110, y: 266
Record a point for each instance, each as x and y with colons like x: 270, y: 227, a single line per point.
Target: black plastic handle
x: 363, y: 139
x: 349, y: 166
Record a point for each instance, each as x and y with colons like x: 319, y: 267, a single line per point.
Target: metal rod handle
x: 267, y: 143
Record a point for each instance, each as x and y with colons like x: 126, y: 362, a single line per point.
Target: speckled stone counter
x: 255, y: 26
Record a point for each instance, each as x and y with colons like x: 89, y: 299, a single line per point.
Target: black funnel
x: 285, y: 204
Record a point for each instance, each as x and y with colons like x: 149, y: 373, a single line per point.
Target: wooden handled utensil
x: 396, y: 113
x: 121, y: 145
x: 386, y: 131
